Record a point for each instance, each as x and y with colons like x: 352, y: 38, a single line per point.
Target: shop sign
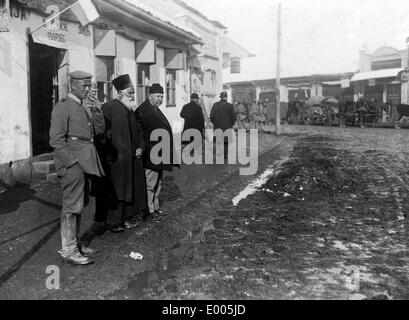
x: 58, y: 33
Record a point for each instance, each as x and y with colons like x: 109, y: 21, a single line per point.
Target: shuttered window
x: 170, y: 88
x: 143, y: 83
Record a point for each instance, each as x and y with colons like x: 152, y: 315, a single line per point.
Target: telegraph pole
x: 278, y: 80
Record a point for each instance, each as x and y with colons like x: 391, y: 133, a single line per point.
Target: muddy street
x: 330, y: 223
x: 325, y: 217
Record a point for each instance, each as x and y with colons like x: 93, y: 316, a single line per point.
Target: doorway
x: 45, y: 64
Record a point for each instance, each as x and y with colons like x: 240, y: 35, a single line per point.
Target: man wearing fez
x: 153, y: 119
x: 123, y: 192
x: 223, y: 117
x: 73, y: 126
x: 193, y: 115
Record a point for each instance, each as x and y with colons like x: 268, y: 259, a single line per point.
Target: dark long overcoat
x: 153, y: 119
x: 193, y: 115
x: 125, y: 173
x: 223, y: 115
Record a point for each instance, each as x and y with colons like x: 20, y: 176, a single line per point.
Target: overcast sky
x: 319, y: 36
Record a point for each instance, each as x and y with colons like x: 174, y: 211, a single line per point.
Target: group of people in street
x: 104, y: 151
x: 251, y: 116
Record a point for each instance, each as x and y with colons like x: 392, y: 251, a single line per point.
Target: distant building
x: 292, y: 88
x: 382, y: 76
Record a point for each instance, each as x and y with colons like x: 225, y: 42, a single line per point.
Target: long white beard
x: 131, y: 105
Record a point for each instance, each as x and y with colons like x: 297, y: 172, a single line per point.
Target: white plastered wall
x: 15, y: 122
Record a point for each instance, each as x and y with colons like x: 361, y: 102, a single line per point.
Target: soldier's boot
x: 70, y: 252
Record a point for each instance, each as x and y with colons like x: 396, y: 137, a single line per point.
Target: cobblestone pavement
x: 325, y: 217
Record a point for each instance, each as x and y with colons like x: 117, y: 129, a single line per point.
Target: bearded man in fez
x: 123, y: 192
x: 153, y: 119
x: 73, y: 127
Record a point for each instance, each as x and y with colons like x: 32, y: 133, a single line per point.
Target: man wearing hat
x: 223, y: 117
x: 73, y: 127
x: 192, y: 113
x: 123, y: 192
x: 153, y: 119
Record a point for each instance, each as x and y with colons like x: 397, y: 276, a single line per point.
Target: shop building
x: 34, y: 68
x: 382, y: 76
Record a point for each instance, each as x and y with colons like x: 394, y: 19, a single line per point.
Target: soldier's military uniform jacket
x: 72, y: 135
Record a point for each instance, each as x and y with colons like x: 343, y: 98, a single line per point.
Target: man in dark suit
x: 153, y: 119
x: 73, y: 127
x: 223, y: 117
x: 192, y: 113
x: 122, y: 193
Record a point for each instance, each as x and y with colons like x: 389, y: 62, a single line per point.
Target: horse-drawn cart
x: 323, y: 110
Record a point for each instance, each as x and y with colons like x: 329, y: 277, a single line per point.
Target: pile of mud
x: 315, y: 170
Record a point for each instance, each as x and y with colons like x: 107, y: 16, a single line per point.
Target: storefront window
x: 143, y: 83
x: 374, y: 92
x: 104, y: 75
x: 171, y: 88
x: 331, y: 91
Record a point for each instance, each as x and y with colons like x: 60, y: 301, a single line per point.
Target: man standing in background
x: 192, y: 113
x: 223, y: 117
x: 241, y: 112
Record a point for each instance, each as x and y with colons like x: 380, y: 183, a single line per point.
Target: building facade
x: 382, y: 76
x: 292, y: 88
x: 128, y: 37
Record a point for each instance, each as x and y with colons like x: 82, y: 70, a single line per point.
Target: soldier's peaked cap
x: 80, y: 75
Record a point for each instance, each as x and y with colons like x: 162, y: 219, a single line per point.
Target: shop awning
x: 378, y: 74
x: 332, y: 83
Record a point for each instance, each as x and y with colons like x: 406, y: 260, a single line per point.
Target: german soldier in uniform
x: 73, y: 127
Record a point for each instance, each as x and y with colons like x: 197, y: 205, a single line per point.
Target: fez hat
x: 156, y: 88
x: 80, y: 75
x: 122, y: 82
x: 194, y: 96
x: 223, y: 94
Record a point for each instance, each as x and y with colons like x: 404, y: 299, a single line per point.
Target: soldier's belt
x: 81, y: 139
